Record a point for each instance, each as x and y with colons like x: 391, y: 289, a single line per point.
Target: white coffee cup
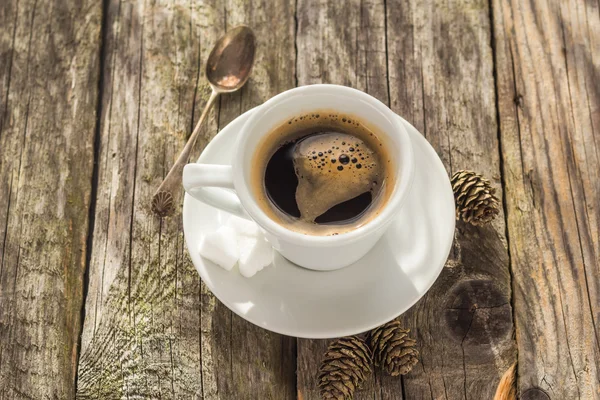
x: 211, y: 184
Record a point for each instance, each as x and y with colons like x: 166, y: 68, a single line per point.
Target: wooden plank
x: 441, y: 79
x: 49, y: 67
x: 446, y: 89
x: 347, y: 48
x: 549, y: 105
x: 250, y: 362
x: 142, y: 330
x: 151, y: 328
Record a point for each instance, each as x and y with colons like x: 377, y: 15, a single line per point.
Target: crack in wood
x: 493, y: 46
x: 94, y: 185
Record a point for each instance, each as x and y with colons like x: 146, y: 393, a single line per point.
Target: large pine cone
x: 346, y: 365
x: 393, y: 350
x: 474, y: 196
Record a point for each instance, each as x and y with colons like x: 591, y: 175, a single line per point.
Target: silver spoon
x: 227, y: 70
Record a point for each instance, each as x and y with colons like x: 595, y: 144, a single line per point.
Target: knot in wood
x: 519, y: 100
x: 477, y: 312
x: 535, y: 394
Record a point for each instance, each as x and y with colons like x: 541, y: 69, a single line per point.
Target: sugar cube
x: 255, y: 254
x: 221, y: 247
x: 242, y: 226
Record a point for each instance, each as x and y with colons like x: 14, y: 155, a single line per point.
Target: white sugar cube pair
x: 238, y: 241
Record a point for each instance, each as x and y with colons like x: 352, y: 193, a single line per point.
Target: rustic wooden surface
x: 49, y: 68
x: 96, y: 100
x: 141, y: 338
x: 548, y: 68
x: 464, y: 324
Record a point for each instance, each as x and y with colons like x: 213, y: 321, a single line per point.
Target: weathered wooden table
x: 98, y: 297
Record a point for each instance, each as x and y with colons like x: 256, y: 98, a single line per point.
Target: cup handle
x: 208, y: 183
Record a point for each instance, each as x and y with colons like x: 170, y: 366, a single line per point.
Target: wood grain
x: 142, y: 331
x: 548, y: 69
x: 49, y: 67
x: 347, y: 48
x: 152, y: 329
x: 250, y: 362
x: 441, y: 79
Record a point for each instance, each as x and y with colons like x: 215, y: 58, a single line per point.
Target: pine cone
x: 474, y: 196
x: 346, y: 365
x: 393, y: 350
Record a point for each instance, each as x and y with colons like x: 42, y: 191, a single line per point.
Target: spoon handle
x: 162, y: 201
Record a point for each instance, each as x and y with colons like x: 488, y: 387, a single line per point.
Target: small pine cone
x: 345, y: 366
x: 474, y: 196
x: 162, y: 204
x: 393, y: 350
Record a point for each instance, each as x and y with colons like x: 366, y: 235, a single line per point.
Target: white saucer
x: 294, y: 301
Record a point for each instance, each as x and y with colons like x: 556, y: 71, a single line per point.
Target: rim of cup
x: 403, y: 177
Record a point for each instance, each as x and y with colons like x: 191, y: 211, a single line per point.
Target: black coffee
x: 322, y: 173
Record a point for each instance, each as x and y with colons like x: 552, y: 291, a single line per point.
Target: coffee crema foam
x: 336, y: 158
x: 332, y: 168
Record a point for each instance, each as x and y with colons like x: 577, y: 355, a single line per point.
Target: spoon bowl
x: 230, y: 61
